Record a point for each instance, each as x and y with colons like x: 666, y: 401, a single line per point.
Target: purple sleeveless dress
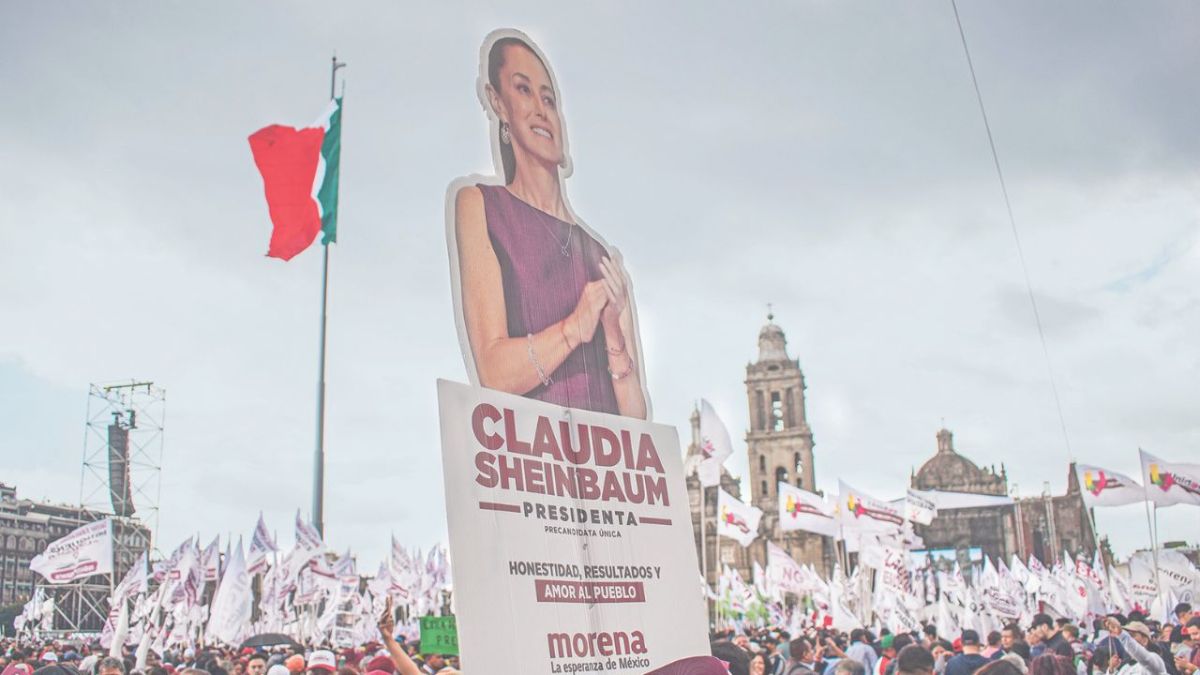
x: 542, y: 286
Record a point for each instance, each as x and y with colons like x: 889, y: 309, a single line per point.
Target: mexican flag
x: 299, y: 169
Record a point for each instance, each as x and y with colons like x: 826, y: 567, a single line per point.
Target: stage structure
x: 121, y: 479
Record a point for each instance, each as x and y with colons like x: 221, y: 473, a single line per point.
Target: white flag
x: 136, y: 580
x: 784, y: 574
x: 919, y: 507
x: 230, y: 612
x: 736, y: 520
x: 210, y: 560
x: 804, y: 510
x: 1170, y: 483
x: 864, y: 513
x: 261, y: 543
x: 1101, y: 487
x: 85, y: 551
x: 715, y: 446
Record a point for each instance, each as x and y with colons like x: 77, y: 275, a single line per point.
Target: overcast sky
x: 827, y: 157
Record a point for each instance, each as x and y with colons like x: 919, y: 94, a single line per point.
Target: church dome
x: 947, y: 470
x: 772, y: 344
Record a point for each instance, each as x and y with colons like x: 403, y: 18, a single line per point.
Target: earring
x: 505, y: 136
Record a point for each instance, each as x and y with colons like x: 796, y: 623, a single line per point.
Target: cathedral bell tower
x: 780, y: 442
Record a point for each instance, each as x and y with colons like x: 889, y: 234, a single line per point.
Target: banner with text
x: 571, y: 537
x: 85, y: 551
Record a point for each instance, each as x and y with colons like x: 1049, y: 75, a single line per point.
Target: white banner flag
x: 919, y: 507
x: 1170, y: 483
x: 736, y: 520
x: 864, y: 513
x: 571, y: 529
x: 715, y: 446
x: 807, y: 511
x: 231, y: 605
x: 210, y: 560
x: 136, y: 579
x: 1101, y: 487
x: 85, y: 551
x: 261, y: 543
x: 784, y: 574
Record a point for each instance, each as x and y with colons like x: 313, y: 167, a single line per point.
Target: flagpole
x: 318, y: 507
x: 1099, y: 551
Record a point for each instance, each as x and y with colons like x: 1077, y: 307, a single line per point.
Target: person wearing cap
x: 886, y: 653
x: 294, y: 664
x: 970, y: 659
x: 1135, y: 638
x: 322, y: 662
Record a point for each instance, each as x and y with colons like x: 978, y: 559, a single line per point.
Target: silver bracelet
x: 537, y: 366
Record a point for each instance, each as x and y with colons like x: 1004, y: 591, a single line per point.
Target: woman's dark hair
x: 999, y: 667
x: 494, y: 64
x: 1051, y: 664
x: 737, y: 658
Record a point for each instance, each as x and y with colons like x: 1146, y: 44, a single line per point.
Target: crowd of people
x: 391, y: 655
x: 1115, y: 645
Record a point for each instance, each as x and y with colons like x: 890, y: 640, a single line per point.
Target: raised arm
x: 518, y: 363
x: 387, y: 628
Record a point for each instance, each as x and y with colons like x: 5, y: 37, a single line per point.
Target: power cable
x: 1012, y: 222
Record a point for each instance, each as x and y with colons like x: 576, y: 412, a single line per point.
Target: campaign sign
x: 571, y: 537
x: 439, y: 635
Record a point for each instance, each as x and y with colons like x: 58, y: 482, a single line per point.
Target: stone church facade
x: 780, y: 448
x: 1043, y: 527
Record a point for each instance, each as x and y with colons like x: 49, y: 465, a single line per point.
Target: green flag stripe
x: 327, y: 195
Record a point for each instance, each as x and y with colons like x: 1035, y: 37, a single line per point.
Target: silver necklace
x: 563, y: 247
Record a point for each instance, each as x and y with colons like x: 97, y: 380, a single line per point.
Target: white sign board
x: 571, y: 537
x: 86, y: 551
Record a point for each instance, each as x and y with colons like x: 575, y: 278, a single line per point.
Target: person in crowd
x: 775, y: 662
x: 993, y: 648
x: 970, y: 659
x: 1187, y: 662
x: 801, y: 657
x: 914, y: 660
x: 737, y: 658
x: 848, y: 667
x: 1009, y: 636
x: 930, y: 636
x: 110, y: 665
x: 295, y: 664
x: 758, y: 663
x: 1049, y: 638
x: 886, y: 653
x: 1183, y: 613
x: 1135, y: 638
x: 860, y: 650
x: 942, y: 652
x: 1002, y: 666
x: 256, y: 664
x: 899, y: 642
x: 1051, y: 664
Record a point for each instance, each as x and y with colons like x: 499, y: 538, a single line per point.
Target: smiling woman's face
x: 528, y: 103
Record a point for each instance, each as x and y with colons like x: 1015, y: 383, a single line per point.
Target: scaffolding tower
x: 120, y: 479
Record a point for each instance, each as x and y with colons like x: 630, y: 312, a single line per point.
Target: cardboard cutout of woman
x: 543, y: 304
